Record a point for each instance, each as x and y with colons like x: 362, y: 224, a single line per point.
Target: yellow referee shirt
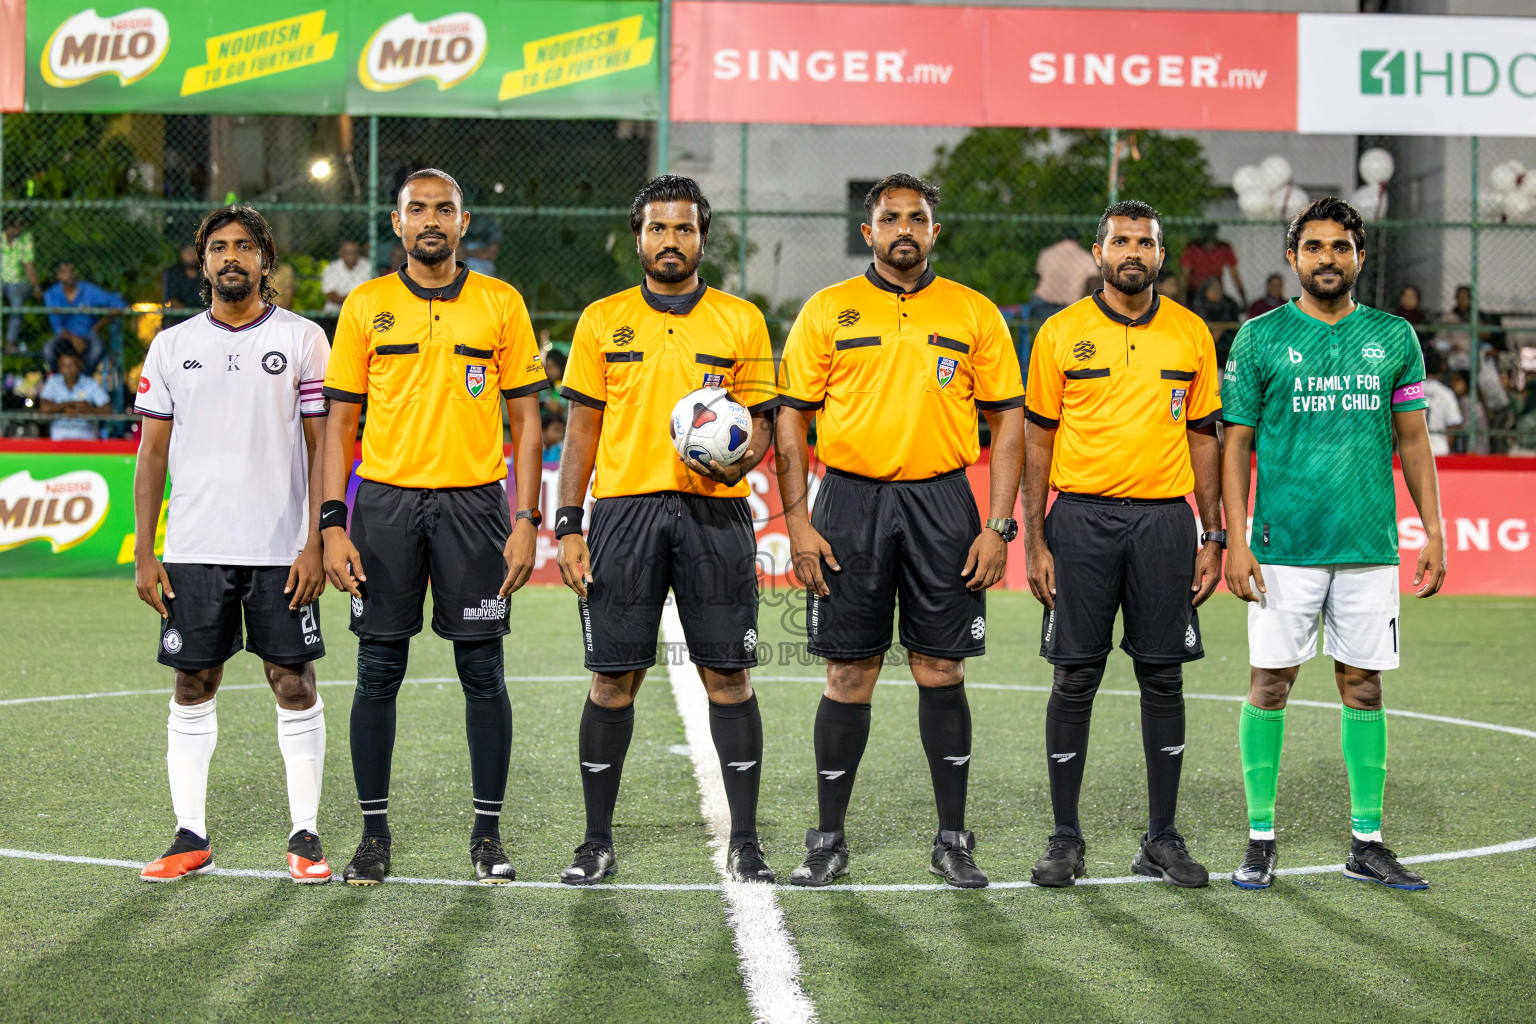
x: 434, y: 365
x: 635, y: 354
x: 1120, y: 395
x: 896, y: 377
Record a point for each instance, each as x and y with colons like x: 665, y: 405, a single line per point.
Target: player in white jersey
x: 232, y: 408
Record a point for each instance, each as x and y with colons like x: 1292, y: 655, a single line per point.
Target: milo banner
x: 485, y: 58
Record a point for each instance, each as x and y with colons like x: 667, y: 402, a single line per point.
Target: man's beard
x: 904, y: 260
x: 431, y: 257
x: 1116, y: 278
x: 670, y: 275
x: 1319, y: 292
x: 233, y: 293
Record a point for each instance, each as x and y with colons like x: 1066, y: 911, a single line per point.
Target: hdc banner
x: 483, y: 58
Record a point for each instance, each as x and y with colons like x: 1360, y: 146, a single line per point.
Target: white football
x: 711, y: 426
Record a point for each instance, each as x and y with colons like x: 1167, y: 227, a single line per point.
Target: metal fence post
x: 741, y: 214
x: 1114, y: 166
x: 664, y: 87
x: 1475, y: 347
x: 373, y: 192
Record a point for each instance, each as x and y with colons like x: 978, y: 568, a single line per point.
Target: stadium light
x: 320, y: 169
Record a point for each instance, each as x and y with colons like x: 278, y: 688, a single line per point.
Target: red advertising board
x: 794, y: 63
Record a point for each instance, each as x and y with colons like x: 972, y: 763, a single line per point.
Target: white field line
x: 770, y: 967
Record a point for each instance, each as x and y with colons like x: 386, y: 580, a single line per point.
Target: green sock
x: 1260, y: 734
x: 1363, y: 734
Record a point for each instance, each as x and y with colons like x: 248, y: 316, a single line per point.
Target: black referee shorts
x: 453, y: 537
x: 203, y: 627
x: 897, y: 538
x: 702, y: 549
x: 1115, y: 554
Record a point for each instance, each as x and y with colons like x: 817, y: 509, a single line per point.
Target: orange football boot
x: 306, y: 861
x: 189, y: 855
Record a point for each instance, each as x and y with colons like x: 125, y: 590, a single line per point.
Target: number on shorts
x: 1392, y: 625
x: 307, y: 620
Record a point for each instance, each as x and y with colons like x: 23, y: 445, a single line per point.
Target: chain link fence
x: 119, y: 196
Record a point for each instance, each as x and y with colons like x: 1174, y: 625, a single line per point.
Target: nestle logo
x: 623, y: 336
x: 848, y: 317
x: 383, y: 322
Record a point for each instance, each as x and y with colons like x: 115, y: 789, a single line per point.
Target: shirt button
x: 437, y: 317
x: 669, y: 330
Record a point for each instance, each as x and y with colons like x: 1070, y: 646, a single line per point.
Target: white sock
x: 192, y: 732
x: 301, y: 738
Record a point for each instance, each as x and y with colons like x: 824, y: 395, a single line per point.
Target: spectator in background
x: 1457, y: 345
x: 1167, y: 285
x: 77, y: 332
x: 554, y: 369
x: 344, y: 273
x: 1273, y: 297
x: 1444, y: 409
x: 285, y: 284
x: 1470, y: 413
x: 1061, y: 271
x: 554, y: 435
x: 482, y: 245
x: 181, y: 286
x: 18, y: 275
x: 1207, y: 257
x: 1410, y: 304
x: 71, y: 392
x: 1220, y: 313
x: 396, y: 261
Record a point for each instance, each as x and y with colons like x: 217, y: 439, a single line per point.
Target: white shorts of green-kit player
x: 1356, y: 604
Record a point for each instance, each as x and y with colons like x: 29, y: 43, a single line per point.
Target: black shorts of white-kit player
x: 1121, y: 555
x: 203, y: 628
x: 898, y: 542
x: 702, y: 548
x: 452, y: 536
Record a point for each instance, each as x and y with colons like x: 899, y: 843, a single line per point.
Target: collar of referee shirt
x: 886, y: 286
x: 447, y: 293
x: 677, y: 305
x: 1141, y: 321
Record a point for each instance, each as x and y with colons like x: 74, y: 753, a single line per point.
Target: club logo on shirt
x: 1176, y: 405
x: 274, y: 363
x: 1373, y: 351
x: 1189, y: 637
x: 848, y: 317
x: 623, y: 336
x: 749, y: 641
x: 978, y: 628
x: 713, y: 380
x: 474, y: 380
x: 946, y: 371
x: 357, y: 607
x: 171, y: 641
x: 383, y: 322
x: 143, y: 385
x: 1084, y: 350
x: 191, y: 364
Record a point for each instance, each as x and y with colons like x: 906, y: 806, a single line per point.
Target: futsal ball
x: 710, y: 426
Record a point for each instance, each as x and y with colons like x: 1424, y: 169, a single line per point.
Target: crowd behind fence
x: 99, y: 212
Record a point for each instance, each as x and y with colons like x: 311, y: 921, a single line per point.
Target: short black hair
x: 1434, y: 362
x: 429, y: 172
x: 1327, y: 208
x: 669, y: 188
x: 897, y: 182
x: 251, y: 219
x: 1132, y: 208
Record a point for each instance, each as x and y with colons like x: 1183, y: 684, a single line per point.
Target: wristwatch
x: 533, y: 515
x: 1219, y: 536
x: 1006, y: 528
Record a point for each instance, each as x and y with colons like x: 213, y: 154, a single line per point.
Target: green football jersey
x: 1320, y: 399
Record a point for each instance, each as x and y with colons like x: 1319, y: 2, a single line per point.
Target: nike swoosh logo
x: 1063, y: 758
x: 829, y: 776
x: 593, y: 767
x: 740, y: 766
x: 562, y: 520
x: 958, y: 761
x: 1174, y: 750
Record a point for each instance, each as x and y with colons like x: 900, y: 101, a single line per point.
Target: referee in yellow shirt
x: 434, y: 350
x: 1122, y: 409
x: 893, y: 365
x: 659, y: 523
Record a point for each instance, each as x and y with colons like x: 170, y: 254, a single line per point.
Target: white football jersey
x: 237, y: 398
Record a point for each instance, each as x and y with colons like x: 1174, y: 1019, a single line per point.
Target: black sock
x: 488, y: 726
x: 841, y: 732
x: 1162, y: 740
x: 601, y: 746
x: 1066, y: 737
x: 944, y: 723
x: 737, y: 730
x: 380, y: 669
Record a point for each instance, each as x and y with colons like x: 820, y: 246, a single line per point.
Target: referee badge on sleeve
x: 474, y: 380
x: 946, y: 371
x: 1176, y: 405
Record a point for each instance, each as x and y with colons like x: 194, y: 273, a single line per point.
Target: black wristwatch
x: 1008, y: 529
x: 1219, y: 536
x: 532, y: 515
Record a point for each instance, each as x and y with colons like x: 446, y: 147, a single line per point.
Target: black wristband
x: 567, y: 520
x: 333, y: 513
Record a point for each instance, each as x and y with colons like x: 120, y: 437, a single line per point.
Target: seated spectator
x: 71, y: 392
x: 1444, y: 408
x: 396, y: 261
x: 18, y: 275
x: 1470, y: 412
x: 1273, y: 297
x: 1061, y: 271
x: 342, y: 274
x: 77, y: 332
x: 1220, y: 314
x: 1410, y: 304
x: 1205, y: 258
x: 1458, y: 344
x: 554, y: 369
x: 554, y: 435
x: 181, y: 286
x: 482, y: 244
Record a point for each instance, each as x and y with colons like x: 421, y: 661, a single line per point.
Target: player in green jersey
x: 1317, y: 387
